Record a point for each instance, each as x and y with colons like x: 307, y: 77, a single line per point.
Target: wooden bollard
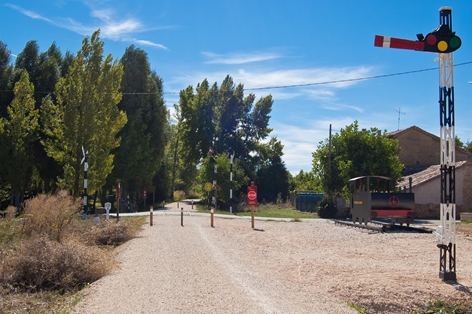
x: 182, y: 216
x: 211, y: 219
x: 192, y: 204
x: 252, y: 217
x: 151, y: 214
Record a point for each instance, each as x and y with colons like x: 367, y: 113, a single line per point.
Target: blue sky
x: 263, y: 43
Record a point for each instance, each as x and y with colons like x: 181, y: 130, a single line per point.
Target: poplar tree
x: 19, y: 132
x: 139, y: 157
x: 84, y: 114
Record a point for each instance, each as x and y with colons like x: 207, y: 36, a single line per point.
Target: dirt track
x: 280, y: 267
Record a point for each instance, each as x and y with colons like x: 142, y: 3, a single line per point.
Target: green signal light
x: 454, y: 42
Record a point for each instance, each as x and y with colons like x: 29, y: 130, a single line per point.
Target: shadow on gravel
x: 260, y: 230
x: 460, y: 287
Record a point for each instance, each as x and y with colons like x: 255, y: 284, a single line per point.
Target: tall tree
x: 272, y: 175
x: 6, y: 72
x: 20, y: 131
x: 48, y: 74
x: 355, y: 153
x: 140, y: 157
x: 222, y: 118
x: 27, y: 60
x: 84, y: 114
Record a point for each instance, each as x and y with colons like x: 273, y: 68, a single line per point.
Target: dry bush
x: 112, y: 233
x: 50, y: 214
x: 42, y: 264
x: 179, y: 195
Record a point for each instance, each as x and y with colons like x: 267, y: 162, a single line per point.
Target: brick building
x: 420, y: 153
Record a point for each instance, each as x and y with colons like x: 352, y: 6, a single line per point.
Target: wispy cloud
x: 240, y: 58
x: 340, y: 107
x: 312, y: 83
x: 30, y: 14
x: 110, y: 24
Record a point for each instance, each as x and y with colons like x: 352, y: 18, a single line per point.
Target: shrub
x: 111, y: 233
x: 50, y: 214
x: 8, y: 226
x: 327, y: 209
x: 179, y: 195
x: 42, y: 264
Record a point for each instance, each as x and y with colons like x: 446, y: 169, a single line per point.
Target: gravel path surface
x: 279, y: 267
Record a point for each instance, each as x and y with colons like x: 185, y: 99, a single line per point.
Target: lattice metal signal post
x: 444, y: 42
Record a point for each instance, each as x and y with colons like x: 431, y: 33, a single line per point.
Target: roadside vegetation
x: 49, y: 253
x: 270, y: 210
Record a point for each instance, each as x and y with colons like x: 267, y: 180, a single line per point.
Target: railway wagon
x: 374, y: 197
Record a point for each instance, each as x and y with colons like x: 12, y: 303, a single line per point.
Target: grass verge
x: 266, y: 211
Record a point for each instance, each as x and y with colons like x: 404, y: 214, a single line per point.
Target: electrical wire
x: 297, y: 85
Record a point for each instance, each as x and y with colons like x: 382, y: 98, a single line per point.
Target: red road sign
x: 252, y: 195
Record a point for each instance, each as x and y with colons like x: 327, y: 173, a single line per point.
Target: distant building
x: 420, y: 153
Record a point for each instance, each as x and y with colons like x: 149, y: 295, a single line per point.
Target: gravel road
x: 279, y: 267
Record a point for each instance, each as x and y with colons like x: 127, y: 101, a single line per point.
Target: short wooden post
x: 211, y: 215
x: 252, y: 217
x: 151, y: 214
x: 182, y: 216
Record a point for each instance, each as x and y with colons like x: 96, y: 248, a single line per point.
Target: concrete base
x: 447, y: 276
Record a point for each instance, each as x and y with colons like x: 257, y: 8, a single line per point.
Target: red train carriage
x: 373, y: 197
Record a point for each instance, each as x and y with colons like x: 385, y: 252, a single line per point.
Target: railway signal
x: 444, y: 42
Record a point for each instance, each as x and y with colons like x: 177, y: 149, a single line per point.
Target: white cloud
x: 30, y: 14
x: 240, y: 58
x: 284, y: 84
x: 111, y: 26
x: 149, y: 43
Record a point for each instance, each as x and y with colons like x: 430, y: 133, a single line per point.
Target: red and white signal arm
x: 252, y: 195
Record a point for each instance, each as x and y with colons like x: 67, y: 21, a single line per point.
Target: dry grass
x: 49, y: 253
x: 42, y: 264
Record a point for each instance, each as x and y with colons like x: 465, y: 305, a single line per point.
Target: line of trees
x: 52, y: 105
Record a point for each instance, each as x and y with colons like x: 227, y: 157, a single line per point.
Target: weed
x: 356, y: 307
x: 444, y: 307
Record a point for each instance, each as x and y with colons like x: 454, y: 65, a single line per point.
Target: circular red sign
x: 251, y: 195
x: 393, y: 201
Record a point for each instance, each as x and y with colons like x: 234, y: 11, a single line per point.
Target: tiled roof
x: 426, y: 175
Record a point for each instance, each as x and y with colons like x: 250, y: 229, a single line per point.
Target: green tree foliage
x: 272, y: 175
x: 355, y: 153
x: 226, y: 120
x: 27, y: 60
x: 223, y: 166
x: 84, y: 113
x: 223, y: 113
x: 306, y: 181
x: 20, y: 131
x: 6, y: 71
x: 141, y: 154
x: 468, y: 146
